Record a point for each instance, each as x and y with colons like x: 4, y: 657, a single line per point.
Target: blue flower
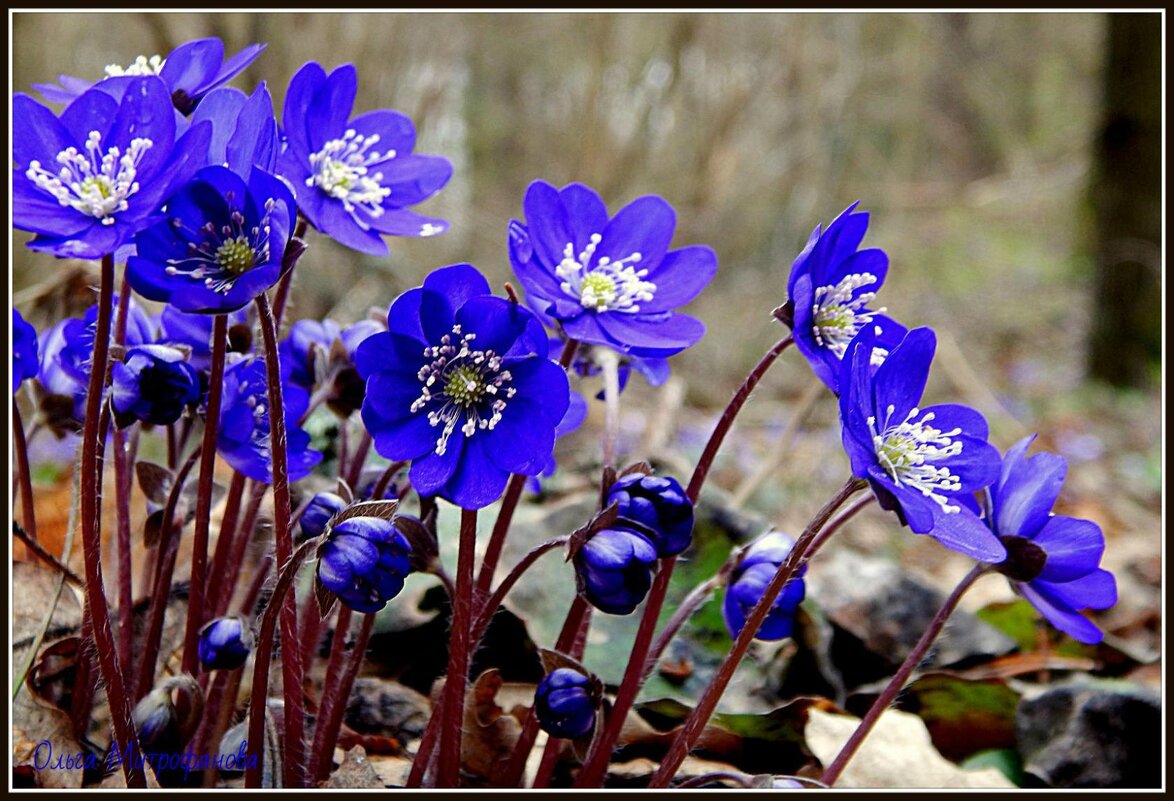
x: 318, y: 512
x: 614, y: 569
x: 85, y: 183
x: 1052, y: 560
x: 355, y: 178
x: 611, y: 282
x: 923, y: 464
x: 153, y: 384
x: 748, y: 581
x: 320, y: 356
x: 565, y: 703
x: 75, y: 349
x: 364, y: 561
x: 243, y: 436
x: 573, y: 418
x: 194, y: 331
x: 25, y: 360
x: 224, y: 644
x: 461, y: 385
x: 830, y: 288
x: 244, y: 130
x: 659, y: 506
x: 190, y: 71
x: 655, y: 370
x: 221, y: 245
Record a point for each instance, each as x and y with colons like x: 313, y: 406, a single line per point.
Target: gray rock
x: 386, y: 707
x: 1092, y: 735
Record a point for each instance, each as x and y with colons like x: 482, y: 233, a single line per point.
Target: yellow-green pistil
x: 236, y: 255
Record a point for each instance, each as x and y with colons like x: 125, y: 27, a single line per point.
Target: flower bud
x: 224, y: 644
x: 660, y: 506
x: 321, y: 508
x: 565, y: 703
x: 749, y: 580
x: 25, y: 361
x: 364, y: 562
x: 154, y: 384
x: 614, y: 569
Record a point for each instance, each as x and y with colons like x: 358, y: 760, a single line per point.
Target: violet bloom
x: 190, y: 71
x: 75, y: 352
x: 1052, y: 560
x: 25, y: 361
x: 923, y: 464
x: 748, y: 583
x: 243, y: 435
x: 194, y: 332
x: 154, y: 384
x: 658, y: 506
x: 830, y: 288
x: 319, y: 357
x: 355, y: 178
x: 244, y: 130
x: 461, y: 385
x: 609, y: 281
x: 224, y: 644
x: 221, y: 245
x: 614, y: 569
x: 364, y: 562
x: 87, y: 182
x: 565, y: 702
x: 318, y: 512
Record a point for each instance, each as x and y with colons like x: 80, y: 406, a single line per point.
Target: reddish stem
x: 28, y: 514
x: 91, y: 530
x: 485, y: 615
x: 338, y: 693
x: 240, y: 544
x: 199, y: 572
x: 456, y: 677
x: 122, y: 484
x: 224, y: 541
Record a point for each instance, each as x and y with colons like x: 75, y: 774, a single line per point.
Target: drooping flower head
x: 243, y: 436
x: 355, y: 178
x: 25, y: 360
x: 153, y: 384
x: 924, y: 464
x: 1052, y: 560
x: 85, y: 183
x: 614, y: 569
x: 318, y: 512
x: 244, y: 130
x: 830, y: 289
x: 658, y: 506
x: 73, y: 351
x: 364, y: 562
x: 319, y: 356
x: 609, y: 281
x: 565, y: 702
x: 748, y: 583
x: 461, y: 385
x: 220, y: 246
x: 224, y: 643
x: 190, y: 71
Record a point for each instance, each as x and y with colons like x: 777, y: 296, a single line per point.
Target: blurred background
x: 1010, y: 161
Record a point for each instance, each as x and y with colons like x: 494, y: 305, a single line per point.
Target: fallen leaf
x: 897, y: 753
x: 44, y: 749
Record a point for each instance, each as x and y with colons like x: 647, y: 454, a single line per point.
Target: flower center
x: 218, y: 256
x: 140, y: 66
x: 909, y: 452
x: 236, y: 255
x: 97, y: 183
x: 472, y: 386
x: 606, y: 286
x: 341, y: 170
x: 840, y: 314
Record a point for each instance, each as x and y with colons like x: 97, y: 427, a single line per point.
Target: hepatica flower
x: 609, y: 281
x: 748, y: 582
x: 85, y: 183
x: 1052, y: 560
x: 614, y: 569
x: 194, y: 332
x: 658, y: 506
x: 25, y: 361
x: 190, y: 71
x: 244, y: 130
x: 364, y: 561
x: 924, y: 464
x: 461, y: 385
x: 565, y: 702
x: 830, y: 289
x: 224, y: 644
x: 75, y: 349
x: 220, y: 246
x: 153, y: 384
x: 243, y: 436
x: 355, y: 178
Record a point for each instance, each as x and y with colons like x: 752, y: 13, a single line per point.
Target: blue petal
x: 93, y: 111
x: 37, y: 135
x: 681, y: 276
x: 1074, y: 548
x: 397, y: 438
x: 401, y: 222
x: 192, y: 65
x: 1027, y: 490
x: 295, y: 118
x: 477, y: 481
x: 586, y: 213
x: 636, y: 334
x: 548, y: 223
x: 432, y: 471
x: 221, y: 107
x: 497, y: 322
x: 331, y: 107
x: 522, y: 441
x: 644, y: 226
x: 900, y: 380
x: 964, y: 533
x: 395, y: 130
x: 1060, y: 614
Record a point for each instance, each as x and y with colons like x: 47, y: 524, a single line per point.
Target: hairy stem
x: 457, y: 675
x: 28, y: 513
x: 340, y: 691
x: 896, y: 683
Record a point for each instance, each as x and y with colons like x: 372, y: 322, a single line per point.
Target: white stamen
x: 839, y: 315
x: 909, y: 451
x: 341, y: 171
x: 606, y: 286
x: 220, y: 256
x: 96, y: 184
x: 140, y: 66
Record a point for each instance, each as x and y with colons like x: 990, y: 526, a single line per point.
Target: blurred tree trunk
x: 1127, y: 202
